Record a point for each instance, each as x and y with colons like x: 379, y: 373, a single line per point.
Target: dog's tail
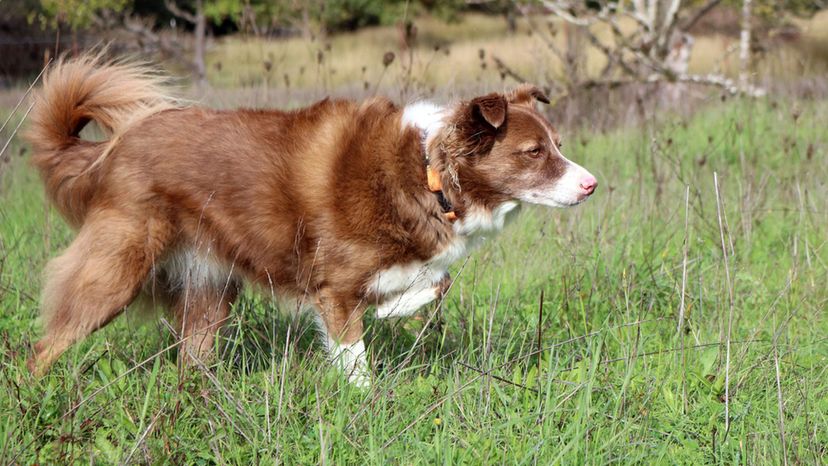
x: 114, y: 94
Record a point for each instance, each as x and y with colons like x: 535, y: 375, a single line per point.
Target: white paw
x: 352, y: 360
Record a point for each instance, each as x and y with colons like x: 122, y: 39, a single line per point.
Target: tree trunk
x: 200, y: 43
x: 744, y: 46
x: 511, y: 19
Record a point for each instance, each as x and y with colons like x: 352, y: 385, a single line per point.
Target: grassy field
x: 605, y: 374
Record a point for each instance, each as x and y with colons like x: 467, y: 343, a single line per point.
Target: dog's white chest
x: 404, y: 288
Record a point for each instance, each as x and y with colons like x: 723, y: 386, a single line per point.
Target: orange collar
x: 435, y: 185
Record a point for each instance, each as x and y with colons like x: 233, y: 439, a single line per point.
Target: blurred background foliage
x: 320, y: 47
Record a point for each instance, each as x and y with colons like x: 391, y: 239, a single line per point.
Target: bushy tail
x: 114, y: 94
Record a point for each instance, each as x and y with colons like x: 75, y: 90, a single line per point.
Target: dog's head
x: 499, y: 147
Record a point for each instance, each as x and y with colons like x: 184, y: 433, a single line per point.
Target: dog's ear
x: 490, y: 108
x: 527, y: 94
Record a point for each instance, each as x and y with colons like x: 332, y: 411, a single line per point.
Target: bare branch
x: 699, y: 14
x: 714, y: 80
x: 725, y: 83
x: 148, y: 39
x: 671, y: 19
x: 559, y: 9
x: 174, y: 9
x: 505, y: 70
x: 657, y: 51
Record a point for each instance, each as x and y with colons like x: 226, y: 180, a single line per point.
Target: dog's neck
x: 427, y: 117
x: 430, y: 119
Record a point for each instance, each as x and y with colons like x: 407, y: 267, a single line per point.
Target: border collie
x: 342, y: 205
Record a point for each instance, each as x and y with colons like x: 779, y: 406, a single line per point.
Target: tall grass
x: 603, y: 375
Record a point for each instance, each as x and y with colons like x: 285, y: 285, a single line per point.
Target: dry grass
x: 460, y: 54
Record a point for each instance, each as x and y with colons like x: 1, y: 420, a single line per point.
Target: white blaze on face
x: 573, y: 187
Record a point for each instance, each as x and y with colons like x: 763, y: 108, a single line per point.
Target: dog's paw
x: 352, y: 361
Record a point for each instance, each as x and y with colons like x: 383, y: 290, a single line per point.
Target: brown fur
x: 311, y: 202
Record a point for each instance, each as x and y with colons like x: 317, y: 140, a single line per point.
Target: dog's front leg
x: 341, y: 319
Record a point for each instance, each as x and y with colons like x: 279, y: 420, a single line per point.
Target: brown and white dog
x: 342, y: 204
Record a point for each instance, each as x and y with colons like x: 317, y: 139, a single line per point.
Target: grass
x: 603, y: 375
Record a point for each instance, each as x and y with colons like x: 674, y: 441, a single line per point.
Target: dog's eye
x: 533, y: 152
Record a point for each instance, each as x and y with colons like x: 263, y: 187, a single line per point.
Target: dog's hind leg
x: 95, y: 278
x: 201, y: 309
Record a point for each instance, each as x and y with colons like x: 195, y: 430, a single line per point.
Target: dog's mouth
x: 554, y: 198
x: 573, y: 188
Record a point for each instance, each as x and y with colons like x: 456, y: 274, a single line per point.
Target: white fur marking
x: 398, y: 278
x: 407, y: 287
x: 424, y: 115
x: 406, y: 303
x: 564, y: 192
x: 482, y: 222
x: 189, y: 268
x: 352, y: 360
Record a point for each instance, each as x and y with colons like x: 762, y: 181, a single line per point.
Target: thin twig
x: 176, y: 11
x: 731, y: 302
x: 668, y: 351
x: 23, y: 97
x: 488, y: 352
x: 142, y: 437
x: 781, y: 405
x: 2, y: 151
x: 680, y: 329
x: 507, y: 71
x: 487, y: 373
x: 540, y: 330
x: 680, y: 326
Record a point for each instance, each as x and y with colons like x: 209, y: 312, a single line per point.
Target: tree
x: 202, y: 13
x: 77, y: 14
x: 658, y: 48
x: 199, y: 20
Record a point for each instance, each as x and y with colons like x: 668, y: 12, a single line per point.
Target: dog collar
x: 436, y: 186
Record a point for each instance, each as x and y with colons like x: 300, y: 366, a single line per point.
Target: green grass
x: 614, y: 382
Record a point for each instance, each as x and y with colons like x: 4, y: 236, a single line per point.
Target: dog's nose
x: 588, y: 184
